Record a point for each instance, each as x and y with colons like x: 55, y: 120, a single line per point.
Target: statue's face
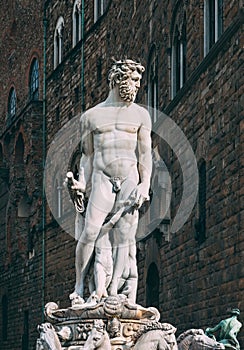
x: 128, y: 88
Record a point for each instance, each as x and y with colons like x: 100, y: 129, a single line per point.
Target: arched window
x: 34, y: 80
x: 12, y: 104
x: 4, y: 317
x: 152, y: 92
x: 152, y: 286
x: 58, y: 42
x: 99, y: 8
x: 201, y: 224
x: 213, y: 22
x: 76, y: 22
x: 178, y: 53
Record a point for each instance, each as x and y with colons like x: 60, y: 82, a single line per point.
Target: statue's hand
x: 139, y: 195
x: 78, y: 186
x: 209, y: 333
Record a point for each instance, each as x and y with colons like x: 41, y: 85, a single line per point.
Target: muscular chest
x: 114, y: 122
x: 114, y: 128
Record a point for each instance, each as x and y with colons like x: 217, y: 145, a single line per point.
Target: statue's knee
x: 90, y: 234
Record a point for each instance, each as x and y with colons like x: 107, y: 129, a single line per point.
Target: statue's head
x: 127, y: 75
x: 235, y: 312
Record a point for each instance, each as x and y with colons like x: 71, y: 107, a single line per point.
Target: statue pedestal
x: 113, y: 323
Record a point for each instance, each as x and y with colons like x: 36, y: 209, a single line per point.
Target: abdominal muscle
x: 115, y: 156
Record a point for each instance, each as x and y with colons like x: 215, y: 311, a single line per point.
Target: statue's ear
x: 117, y: 79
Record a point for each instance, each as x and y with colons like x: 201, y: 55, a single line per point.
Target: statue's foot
x: 92, y: 300
x: 76, y: 299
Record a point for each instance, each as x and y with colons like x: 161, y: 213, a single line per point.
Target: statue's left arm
x: 209, y: 331
x: 145, y: 157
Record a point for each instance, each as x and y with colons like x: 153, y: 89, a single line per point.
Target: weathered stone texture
x: 20, y: 198
x: 198, y: 282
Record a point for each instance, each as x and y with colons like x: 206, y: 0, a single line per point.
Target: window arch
x: 12, y: 104
x: 76, y: 22
x: 201, y: 223
x: 34, y: 80
x: 152, y: 92
x: 58, y: 42
x: 213, y: 22
x: 178, y: 52
x: 152, y: 286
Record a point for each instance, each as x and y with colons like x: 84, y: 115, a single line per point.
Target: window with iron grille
x: 34, y: 80
x: 178, y: 56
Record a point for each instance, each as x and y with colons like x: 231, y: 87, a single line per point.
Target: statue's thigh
x: 127, y: 187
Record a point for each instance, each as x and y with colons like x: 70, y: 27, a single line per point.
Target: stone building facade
x: 21, y: 64
x: 192, y: 54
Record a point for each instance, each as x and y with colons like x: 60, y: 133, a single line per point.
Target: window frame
x: 100, y: 7
x: 58, y: 42
x: 34, y: 81
x: 178, y: 55
x: 76, y: 20
x: 213, y: 23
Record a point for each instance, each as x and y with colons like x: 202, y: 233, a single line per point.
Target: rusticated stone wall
x: 20, y: 176
x: 198, y: 281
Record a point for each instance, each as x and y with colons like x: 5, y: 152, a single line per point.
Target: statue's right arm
x: 87, y: 150
x: 86, y: 161
x: 214, y: 329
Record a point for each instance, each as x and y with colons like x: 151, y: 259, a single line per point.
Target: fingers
x: 77, y: 186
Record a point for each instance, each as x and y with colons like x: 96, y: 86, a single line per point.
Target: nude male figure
x: 228, y: 330
x: 115, y: 167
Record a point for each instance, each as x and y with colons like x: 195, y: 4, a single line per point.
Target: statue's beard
x: 126, y: 92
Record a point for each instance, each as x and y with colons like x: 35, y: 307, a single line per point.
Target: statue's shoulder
x: 88, y: 116
x: 140, y: 108
x: 143, y: 114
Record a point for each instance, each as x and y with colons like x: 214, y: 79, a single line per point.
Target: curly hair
x: 121, y: 70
